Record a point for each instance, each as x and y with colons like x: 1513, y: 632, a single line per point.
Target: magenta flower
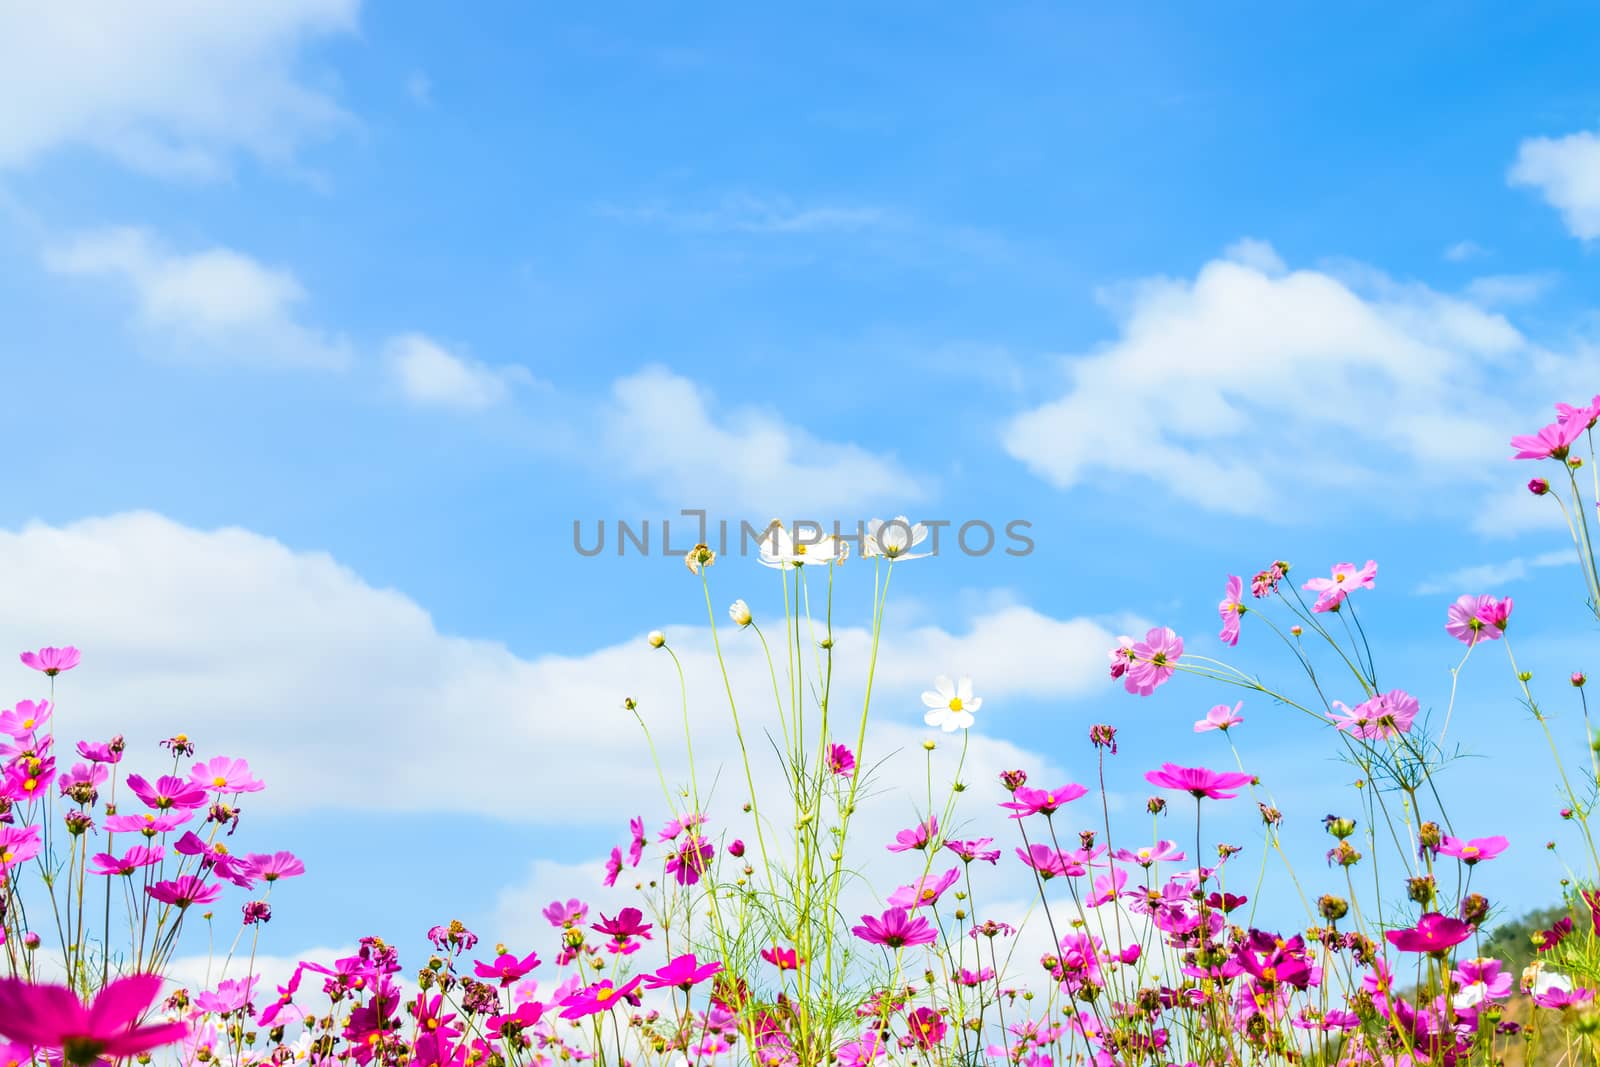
x: 1220, y: 718
x: 1160, y: 852
x: 636, y: 845
x: 147, y: 823
x: 691, y: 860
x: 1434, y: 933
x: 925, y: 890
x: 18, y: 845
x: 785, y: 959
x: 51, y: 1017
x: 1108, y: 886
x: 602, y: 996
x: 1344, y: 580
x: 682, y: 972
x: 1151, y: 661
x: 230, y: 995
x: 1383, y: 716
x: 28, y: 779
x: 102, y: 751
x: 1026, y: 801
x: 926, y: 1027
x: 613, y: 868
x: 167, y: 792
x: 1464, y: 620
x: 896, y: 928
x: 1231, y: 609
x: 1199, y: 782
x: 136, y: 857
x: 271, y: 866
x: 919, y: 836
x: 1474, y: 851
x: 184, y: 891
x: 975, y: 849
x: 622, y: 930
x: 1551, y: 442
x: 52, y: 661
x: 841, y: 761
x: 568, y: 915
x: 28, y: 717
x: 221, y: 774
x: 506, y: 968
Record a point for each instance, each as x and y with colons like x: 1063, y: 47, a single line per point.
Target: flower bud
x: 929, y: 744
x: 656, y: 638
x: 1525, y: 676
x: 1013, y: 780
x: 1332, y: 908
x: 736, y: 849
x: 1475, y: 909
x: 1421, y: 889
x: 1538, y: 487
x: 1339, y: 827
x: 1429, y: 835
x: 1578, y: 679
x: 1156, y: 805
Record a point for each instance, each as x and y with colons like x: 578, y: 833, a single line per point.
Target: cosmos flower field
x: 746, y: 946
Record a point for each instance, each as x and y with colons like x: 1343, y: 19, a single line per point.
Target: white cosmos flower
x: 950, y: 704
x: 1545, y: 981
x: 780, y: 548
x: 894, y: 539
x: 739, y: 612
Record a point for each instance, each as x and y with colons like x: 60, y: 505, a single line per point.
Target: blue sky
x: 395, y: 299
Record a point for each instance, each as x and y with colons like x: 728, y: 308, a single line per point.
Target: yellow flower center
x: 27, y: 724
x: 219, y: 781
x: 6, y: 856
x: 955, y: 704
x: 928, y: 894
x: 30, y: 785
x: 1338, y: 577
x: 1471, y: 850
x: 1269, y: 973
x: 604, y: 995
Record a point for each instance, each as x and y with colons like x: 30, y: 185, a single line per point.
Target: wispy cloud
x: 1487, y: 577
x: 1566, y: 172
x: 743, y: 213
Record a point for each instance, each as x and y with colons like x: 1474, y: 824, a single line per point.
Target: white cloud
x: 1566, y: 172
x: 662, y: 427
x: 1255, y: 253
x: 1487, y: 577
x: 347, y: 696
x: 430, y: 376
x: 215, y: 305
x: 1462, y: 251
x: 1246, y: 392
x: 171, y: 87
x: 1500, y: 290
x: 768, y: 215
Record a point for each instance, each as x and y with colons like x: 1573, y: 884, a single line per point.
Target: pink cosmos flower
x: 613, y: 868
x: 568, y: 915
x: 1478, y: 980
x: 1496, y: 616
x: 18, y: 845
x: 1026, y: 801
x: 271, y: 866
x: 925, y: 890
x: 28, y: 717
x: 691, y: 860
x: 1121, y: 657
x: 1474, y: 851
x: 975, y: 849
x: 682, y: 972
x: 1464, y: 620
x: 506, y: 968
x: 51, y: 1017
x: 1198, y: 781
x: 1345, y: 579
x: 926, y: 1027
x: 147, y: 823
x: 138, y: 856
x: 1383, y: 716
x: 1152, y: 661
x: 28, y: 779
x: 102, y: 751
x: 184, y: 891
x: 894, y: 929
x: 230, y: 995
x: 1051, y: 862
x: 602, y: 996
x: 636, y: 845
x: 1231, y: 609
x: 919, y: 836
x: 1433, y: 933
x: 841, y: 761
x: 52, y: 661
x: 1107, y: 887
x: 628, y: 925
x: 1160, y: 852
x: 167, y: 792
x: 220, y: 774
x: 1220, y: 718
x: 1551, y: 442
x: 785, y: 959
